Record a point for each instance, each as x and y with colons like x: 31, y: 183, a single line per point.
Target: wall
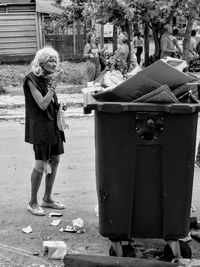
x: 20, y: 35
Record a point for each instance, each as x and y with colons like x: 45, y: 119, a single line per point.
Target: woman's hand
x: 64, y: 106
x: 56, y: 78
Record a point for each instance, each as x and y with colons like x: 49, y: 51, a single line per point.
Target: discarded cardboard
x: 27, y: 230
x: 56, y: 249
x: 159, y: 95
x: 55, y: 222
x: 145, y: 81
x: 163, y: 73
x: 133, y: 88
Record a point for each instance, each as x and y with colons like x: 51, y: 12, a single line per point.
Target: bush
x: 13, y: 75
x: 2, y: 90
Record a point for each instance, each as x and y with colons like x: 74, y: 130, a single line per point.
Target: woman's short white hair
x: 41, y: 57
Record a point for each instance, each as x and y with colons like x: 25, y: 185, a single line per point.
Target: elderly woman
x: 41, y: 129
x: 121, y: 54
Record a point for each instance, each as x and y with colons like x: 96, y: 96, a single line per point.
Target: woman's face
x: 92, y: 39
x: 50, y: 65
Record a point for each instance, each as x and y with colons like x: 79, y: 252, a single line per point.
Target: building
x: 23, y: 30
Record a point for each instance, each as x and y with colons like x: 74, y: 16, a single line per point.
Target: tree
x: 153, y: 14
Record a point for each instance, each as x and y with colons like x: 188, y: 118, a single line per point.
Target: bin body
x: 144, y: 174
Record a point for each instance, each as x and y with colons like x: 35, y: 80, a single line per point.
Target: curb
x: 13, y: 107
x: 109, y: 261
x: 18, y: 114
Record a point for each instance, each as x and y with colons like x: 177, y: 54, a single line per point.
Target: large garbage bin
x: 144, y: 168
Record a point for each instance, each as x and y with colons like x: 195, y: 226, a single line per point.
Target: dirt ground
x: 74, y: 186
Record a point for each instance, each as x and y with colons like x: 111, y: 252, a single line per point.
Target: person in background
x: 121, y: 54
x: 193, y: 45
x: 41, y: 105
x: 92, y: 54
x: 138, y: 43
x: 175, y: 42
x: 166, y: 43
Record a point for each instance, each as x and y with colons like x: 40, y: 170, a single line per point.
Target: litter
x: 55, y: 222
x: 78, y: 223
x: 187, y: 262
x: 147, y: 80
x: 96, y: 210
x: 70, y: 229
x: 55, y: 214
x: 76, y: 227
x: 56, y: 249
x: 27, y: 230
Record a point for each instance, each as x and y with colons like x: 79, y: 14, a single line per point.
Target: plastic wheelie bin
x: 144, y: 169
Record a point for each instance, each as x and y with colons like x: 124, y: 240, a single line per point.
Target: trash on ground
x: 56, y: 249
x: 96, y: 210
x: 78, y: 223
x: 55, y: 222
x: 55, y: 214
x: 187, y: 262
x: 69, y: 228
x: 76, y: 227
x: 27, y: 230
x: 36, y: 253
x: 193, y: 208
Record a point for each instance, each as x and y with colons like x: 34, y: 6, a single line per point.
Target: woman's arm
x: 42, y: 101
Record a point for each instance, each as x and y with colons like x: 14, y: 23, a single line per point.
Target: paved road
x: 75, y: 186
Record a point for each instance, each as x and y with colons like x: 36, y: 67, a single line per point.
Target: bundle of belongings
x: 162, y: 82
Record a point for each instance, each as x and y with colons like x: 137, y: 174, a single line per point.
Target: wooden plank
x: 19, y: 9
x: 18, y: 29
x: 30, y: 51
x: 8, y: 46
x: 14, y: 34
x: 17, y: 16
x: 11, y: 23
x: 8, y: 40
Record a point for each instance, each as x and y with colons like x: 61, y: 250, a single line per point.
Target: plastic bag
x: 113, y: 78
x: 61, y: 121
x: 178, y: 64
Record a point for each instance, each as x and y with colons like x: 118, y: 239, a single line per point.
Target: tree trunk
x: 114, y: 38
x: 128, y: 29
x: 156, y: 42
x: 146, y: 44
x: 186, y: 40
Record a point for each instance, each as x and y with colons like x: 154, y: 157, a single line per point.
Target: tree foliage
x: 151, y: 13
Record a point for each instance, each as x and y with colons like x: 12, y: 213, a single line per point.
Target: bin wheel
x: 128, y: 251
x: 185, y: 251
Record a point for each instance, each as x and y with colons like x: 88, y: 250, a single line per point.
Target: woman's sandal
x: 55, y: 205
x: 36, y: 210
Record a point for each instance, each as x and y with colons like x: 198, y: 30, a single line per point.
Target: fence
x: 68, y: 41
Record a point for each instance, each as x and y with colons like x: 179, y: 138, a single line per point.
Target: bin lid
x: 116, y: 107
